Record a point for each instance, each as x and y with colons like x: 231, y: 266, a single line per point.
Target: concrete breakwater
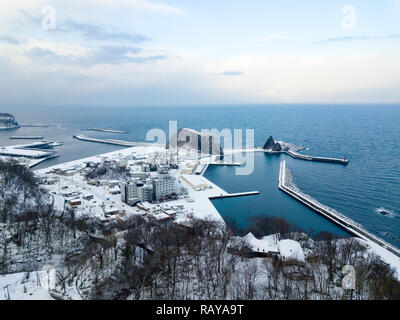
x: 106, y: 130
x: 339, y: 219
x: 225, y: 163
x: 319, y: 159
x: 234, y: 195
x: 114, y: 142
x: 292, y: 150
x: 26, y: 138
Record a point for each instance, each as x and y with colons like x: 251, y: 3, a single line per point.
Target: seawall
x: 234, y: 195
x: 319, y: 159
x: 346, y: 223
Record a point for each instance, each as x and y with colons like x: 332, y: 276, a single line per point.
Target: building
x: 139, y: 175
x: 74, y: 202
x: 291, y: 252
x: 163, y: 186
x: 114, y: 190
x: 113, y: 183
x: 88, y: 196
x: 135, y: 191
x: 145, y: 168
x: 162, y: 168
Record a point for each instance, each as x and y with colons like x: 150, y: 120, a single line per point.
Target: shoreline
x: 349, y: 225
x: 202, y: 206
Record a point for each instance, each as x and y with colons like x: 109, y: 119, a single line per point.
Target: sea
x: 368, y: 135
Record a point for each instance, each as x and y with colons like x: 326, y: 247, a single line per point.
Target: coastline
x: 202, y: 206
x: 388, y: 252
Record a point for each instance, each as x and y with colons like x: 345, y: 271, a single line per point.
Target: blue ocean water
x: 369, y: 135
x: 270, y: 202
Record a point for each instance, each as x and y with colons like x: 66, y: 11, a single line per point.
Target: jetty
x: 114, y: 142
x: 334, y: 216
x: 106, y: 141
x: 234, y: 195
x: 106, y: 130
x: 272, y: 146
x: 30, y: 154
x: 319, y: 159
x: 35, y: 125
x: 26, y: 137
x: 36, y: 145
x: 225, y: 163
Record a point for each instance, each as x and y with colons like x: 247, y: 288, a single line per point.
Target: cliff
x: 194, y: 140
x: 7, y: 121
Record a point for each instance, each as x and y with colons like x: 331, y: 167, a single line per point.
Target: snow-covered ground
x: 286, y: 181
x: 26, y: 285
x: 195, y: 204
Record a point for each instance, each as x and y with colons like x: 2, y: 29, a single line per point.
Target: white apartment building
x: 163, y: 186
x: 134, y: 191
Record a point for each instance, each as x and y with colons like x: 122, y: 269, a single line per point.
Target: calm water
x: 270, y: 202
x: 368, y: 135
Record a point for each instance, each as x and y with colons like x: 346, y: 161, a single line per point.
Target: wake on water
x: 386, y: 212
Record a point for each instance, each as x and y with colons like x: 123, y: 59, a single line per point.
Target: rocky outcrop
x: 7, y: 121
x: 194, y: 140
x: 271, y: 145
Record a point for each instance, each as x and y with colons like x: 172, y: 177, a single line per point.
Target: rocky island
x: 7, y: 122
x: 271, y: 145
x: 193, y: 140
x: 292, y: 150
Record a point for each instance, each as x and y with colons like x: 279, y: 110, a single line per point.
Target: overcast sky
x: 198, y: 52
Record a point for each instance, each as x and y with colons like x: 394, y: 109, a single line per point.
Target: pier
x: 319, y: 159
x: 114, y: 142
x: 26, y: 137
x: 37, y: 145
x: 225, y: 163
x: 234, y: 195
x: 339, y: 219
x: 35, y: 125
x: 106, y: 130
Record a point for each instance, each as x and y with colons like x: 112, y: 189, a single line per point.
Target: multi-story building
x: 134, y: 191
x: 163, y: 186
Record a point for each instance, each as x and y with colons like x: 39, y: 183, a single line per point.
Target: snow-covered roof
x: 266, y: 244
x: 291, y: 250
x: 161, y: 216
x: 145, y: 205
x: 58, y: 202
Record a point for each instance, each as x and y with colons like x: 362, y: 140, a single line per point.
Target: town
x: 151, y: 181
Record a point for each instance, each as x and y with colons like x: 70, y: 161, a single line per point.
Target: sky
x: 188, y: 52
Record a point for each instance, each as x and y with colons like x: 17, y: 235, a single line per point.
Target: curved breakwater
x: 319, y: 159
x: 339, y: 219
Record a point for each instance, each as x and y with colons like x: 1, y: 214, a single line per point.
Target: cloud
x: 9, y: 39
x: 141, y: 4
x: 94, y: 32
x: 231, y: 73
x: 271, y: 36
x: 360, y: 38
x: 89, y: 31
x: 115, y: 55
